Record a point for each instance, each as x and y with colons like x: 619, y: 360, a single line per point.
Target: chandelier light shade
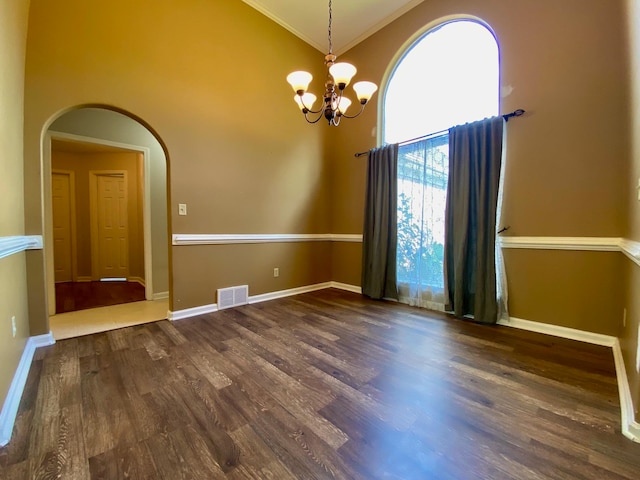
x: 334, y: 104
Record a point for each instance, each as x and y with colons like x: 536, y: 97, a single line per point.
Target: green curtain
x: 380, y: 238
x: 475, y: 157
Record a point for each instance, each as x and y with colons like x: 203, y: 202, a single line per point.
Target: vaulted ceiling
x: 353, y: 20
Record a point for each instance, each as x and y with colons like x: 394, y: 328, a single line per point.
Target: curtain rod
x: 516, y: 113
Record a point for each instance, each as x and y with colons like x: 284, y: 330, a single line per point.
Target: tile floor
x: 94, y: 320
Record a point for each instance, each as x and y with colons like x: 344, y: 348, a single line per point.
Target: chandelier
x: 338, y: 77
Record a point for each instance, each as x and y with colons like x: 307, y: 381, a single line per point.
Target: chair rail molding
x: 19, y: 243
x: 598, y: 244
x: 630, y: 248
x: 231, y: 238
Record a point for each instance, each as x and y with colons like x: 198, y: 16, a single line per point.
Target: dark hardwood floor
x: 73, y: 296
x: 320, y: 386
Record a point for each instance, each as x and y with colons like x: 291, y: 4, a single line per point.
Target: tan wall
x: 13, y: 283
x: 575, y: 289
x: 209, y: 78
x: 112, y: 126
x: 633, y: 201
x: 566, y: 163
x: 82, y: 164
x: 629, y: 339
x: 300, y: 264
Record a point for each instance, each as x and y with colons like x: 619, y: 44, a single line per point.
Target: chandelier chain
x: 330, y: 18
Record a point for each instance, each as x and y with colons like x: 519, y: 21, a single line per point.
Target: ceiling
x: 353, y: 20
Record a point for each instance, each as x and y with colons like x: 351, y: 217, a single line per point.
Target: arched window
x: 450, y: 76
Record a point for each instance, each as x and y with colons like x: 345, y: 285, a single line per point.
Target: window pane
x: 447, y: 78
x: 422, y: 194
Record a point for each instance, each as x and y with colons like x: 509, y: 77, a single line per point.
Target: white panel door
x: 62, y: 235
x: 110, y: 226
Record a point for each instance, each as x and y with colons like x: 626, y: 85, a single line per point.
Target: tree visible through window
x: 450, y: 76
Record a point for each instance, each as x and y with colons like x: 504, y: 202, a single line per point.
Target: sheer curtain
x: 422, y: 193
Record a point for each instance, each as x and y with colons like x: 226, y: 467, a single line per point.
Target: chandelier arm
x: 308, y: 109
x: 313, y: 121
x: 357, y: 114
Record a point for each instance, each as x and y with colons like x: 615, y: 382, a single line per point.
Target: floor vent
x: 233, y: 296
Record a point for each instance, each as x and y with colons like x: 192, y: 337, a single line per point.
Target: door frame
x: 48, y: 210
x: 72, y: 211
x: 93, y: 218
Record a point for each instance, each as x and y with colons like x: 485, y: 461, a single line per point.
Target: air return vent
x: 233, y: 296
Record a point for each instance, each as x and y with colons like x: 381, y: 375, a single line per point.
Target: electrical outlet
x: 624, y: 317
x: 182, y: 209
x: 14, y: 330
x: 276, y: 272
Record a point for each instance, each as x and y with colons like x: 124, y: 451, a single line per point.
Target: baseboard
x: 558, y: 331
x: 160, y: 295
x: 347, y: 287
x: 204, y: 309
x: 288, y: 293
x: 192, y: 312
x: 630, y: 428
x: 12, y: 402
x: 139, y: 280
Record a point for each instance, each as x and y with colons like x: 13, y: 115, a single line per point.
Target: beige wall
x: 209, y: 78
x: 13, y: 31
x: 561, y: 287
x: 112, y: 126
x: 300, y: 264
x: 566, y: 163
x: 629, y: 338
x: 82, y: 164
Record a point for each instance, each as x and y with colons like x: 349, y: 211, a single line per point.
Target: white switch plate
x: 276, y: 272
x: 182, y: 209
x: 14, y: 330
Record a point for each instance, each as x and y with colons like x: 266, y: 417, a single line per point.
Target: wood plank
x: 322, y: 385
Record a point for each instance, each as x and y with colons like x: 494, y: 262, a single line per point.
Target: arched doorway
x: 97, y: 145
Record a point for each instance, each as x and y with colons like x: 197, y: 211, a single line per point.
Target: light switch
x: 182, y: 209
